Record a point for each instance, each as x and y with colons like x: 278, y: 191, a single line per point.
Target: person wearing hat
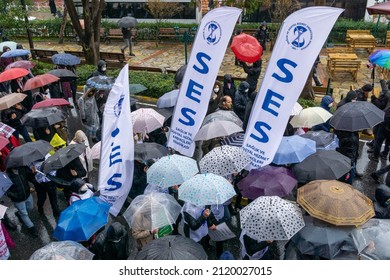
x: 81, y: 190
x: 362, y: 93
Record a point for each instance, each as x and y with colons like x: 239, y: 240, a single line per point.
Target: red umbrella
x: 51, y: 102
x: 379, y: 9
x: 13, y: 73
x: 25, y: 64
x: 3, y: 141
x: 39, y: 81
x: 246, y: 48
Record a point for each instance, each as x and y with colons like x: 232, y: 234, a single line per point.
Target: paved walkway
x: 171, y: 56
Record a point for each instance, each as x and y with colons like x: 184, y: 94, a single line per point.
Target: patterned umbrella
x: 206, y: 189
x: 25, y: 64
x: 267, y: 181
x: 146, y: 120
x: 223, y: 115
x: 234, y: 140
x: 15, y: 53
x: 294, y: 149
x: 335, y: 202
x: 310, y: 117
x: 100, y: 82
x: 172, y: 247
x: 65, y: 59
x: 271, y: 218
x: 62, y: 250
x: 152, y: 211
x: 224, y: 160
x: 6, y: 130
x: 171, y: 170
x: 217, y: 129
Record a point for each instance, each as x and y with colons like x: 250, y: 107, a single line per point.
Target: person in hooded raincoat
x: 241, y: 100
x: 100, y: 69
x: 89, y: 113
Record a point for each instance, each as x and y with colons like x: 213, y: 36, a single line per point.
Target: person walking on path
x: 20, y: 195
x: 128, y: 42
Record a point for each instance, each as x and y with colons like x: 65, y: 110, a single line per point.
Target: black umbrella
x: 323, y: 165
x: 172, y: 247
x: 322, y: 138
x: 127, y: 22
x: 27, y: 153
x: 62, y: 157
x: 355, y: 116
x: 180, y: 74
x: 63, y: 74
x: 321, y: 239
x: 145, y: 151
x: 43, y: 117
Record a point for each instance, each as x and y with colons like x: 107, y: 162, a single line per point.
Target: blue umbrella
x: 5, y: 183
x: 294, y: 149
x: 100, y: 82
x: 168, y: 99
x: 82, y: 219
x: 65, y: 59
x: 15, y: 53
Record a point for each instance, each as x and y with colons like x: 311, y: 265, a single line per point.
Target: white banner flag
x: 299, y: 42
x: 117, y: 149
x: 206, y: 57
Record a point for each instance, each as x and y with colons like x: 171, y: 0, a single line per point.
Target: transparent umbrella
x: 62, y: 250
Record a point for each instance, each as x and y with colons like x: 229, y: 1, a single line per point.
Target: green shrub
x: 308, y: 103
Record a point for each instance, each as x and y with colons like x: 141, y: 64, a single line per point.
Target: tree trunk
x: 308, y: 92
x: 63, y: 25
x: 89, y: 36
x: 320, y: 3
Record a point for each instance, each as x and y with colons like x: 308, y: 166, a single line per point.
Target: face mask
x: 104, y: 68
x: 330, y: 105
x: 216, y: 89
x: 247, y: 90
x: 353, y: 100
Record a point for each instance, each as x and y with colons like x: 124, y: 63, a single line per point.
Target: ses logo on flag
x: 212, y: 33
x: 299, y: 36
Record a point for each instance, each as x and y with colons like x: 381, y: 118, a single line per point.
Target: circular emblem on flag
x: 118, y: 106
x: 299, y: 36
x: 212, y: 33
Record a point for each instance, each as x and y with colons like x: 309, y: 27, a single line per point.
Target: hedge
x: 147, y: 31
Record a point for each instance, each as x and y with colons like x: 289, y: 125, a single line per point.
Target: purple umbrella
x: 267, y: 181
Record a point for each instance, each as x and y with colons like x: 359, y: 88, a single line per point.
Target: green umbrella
x: 137, y: 88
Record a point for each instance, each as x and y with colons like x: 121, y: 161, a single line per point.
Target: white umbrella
x: 152, y: 211
x: 95, y: 150
x: 62, y: 250
x: 296, y: 109
x: 217, y: 129
x: 146, y: 120
x: 310, y: 117
x: 224, y: 160
x: 10, y: 44
x: 271, y: 218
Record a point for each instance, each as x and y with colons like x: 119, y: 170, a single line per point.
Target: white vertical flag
x: 117, y: 150
x: 206, y: 57
x: 299, y: 42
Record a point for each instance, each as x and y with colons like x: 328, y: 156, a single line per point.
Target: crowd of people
x: 195, y: 222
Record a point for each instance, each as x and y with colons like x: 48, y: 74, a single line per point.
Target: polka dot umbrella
x: 206, y: 189
x: 271, y: 218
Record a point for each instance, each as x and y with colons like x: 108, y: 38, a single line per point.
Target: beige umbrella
x: 335, y: 202
x: 310, y: 117
x: 11, y: 99
x: 296, y: 109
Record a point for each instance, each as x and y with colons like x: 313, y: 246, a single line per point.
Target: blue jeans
x: 24, y: 207
x: 22, y: 131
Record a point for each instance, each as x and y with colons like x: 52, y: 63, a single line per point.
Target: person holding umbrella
x: 128, y: 42
x: 12, y: 116
x: 253, y: 73
x: 5, y: 61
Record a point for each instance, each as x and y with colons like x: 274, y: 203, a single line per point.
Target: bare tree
x: 89, y: 35
x: 161, y: 10
x: 250, y: 6
x: 283, y: 8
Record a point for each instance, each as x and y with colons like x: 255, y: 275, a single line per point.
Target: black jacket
x: 20, y: 189
x: 15, y: 123
x: 226, y: 90
x: 192, y: 223
x: 64, y: 172
x: 253, y: 74
x: 241, y: 100
x: 348, y: 144
x: 139, y: 180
